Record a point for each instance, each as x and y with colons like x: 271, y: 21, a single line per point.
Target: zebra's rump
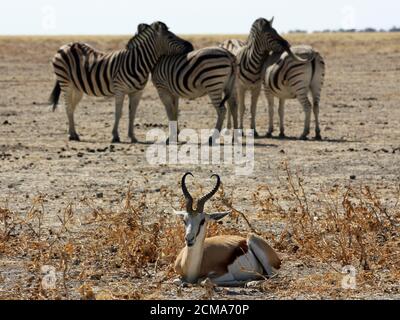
x: 88, y: 70
x: 195, y: 74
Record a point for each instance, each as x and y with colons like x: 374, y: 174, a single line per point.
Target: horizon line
x: 291, y: 32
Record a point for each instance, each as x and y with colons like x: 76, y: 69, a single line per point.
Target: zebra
x: 286, y: 78
x: 80, y: 69
x: 251, y: 57
x: 208, y: 71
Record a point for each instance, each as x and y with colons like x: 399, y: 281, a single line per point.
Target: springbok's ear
x: 142, y: 27
x: 218, y: 215
x: 180, y: 213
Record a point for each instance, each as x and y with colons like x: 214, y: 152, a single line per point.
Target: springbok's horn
x: 201, y: 203
x: 188, y: 197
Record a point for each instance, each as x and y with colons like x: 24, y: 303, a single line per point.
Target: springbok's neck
x: 194, y: 258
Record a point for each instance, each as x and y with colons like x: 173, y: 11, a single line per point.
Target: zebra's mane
x: 253, y: 34
x: 258, y: 26
x: 139, y: 38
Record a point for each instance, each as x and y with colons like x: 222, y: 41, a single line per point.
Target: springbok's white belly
x: 245, y: 268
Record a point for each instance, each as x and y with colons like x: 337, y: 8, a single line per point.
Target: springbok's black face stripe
x: 201, y: 225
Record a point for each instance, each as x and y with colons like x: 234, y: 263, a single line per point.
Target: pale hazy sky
x: 191, y: 17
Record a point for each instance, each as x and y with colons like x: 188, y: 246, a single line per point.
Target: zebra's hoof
x: 318, y: 137
x: 282, y: 135
x: 256, y: 135
x: 116, y: 140
x: 269, y: 135
x: 74, y: 137
x: 134, y: 140
x: 168, y: 142
x: 304, y: 138
x: 213, y: 141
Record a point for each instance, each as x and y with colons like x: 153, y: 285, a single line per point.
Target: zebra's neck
x: 145, y: 51
x: 144, y: 47
x: 253, y: 60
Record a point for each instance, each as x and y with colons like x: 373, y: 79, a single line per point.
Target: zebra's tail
x: 230, y: 86
x: 318, y: 66
x: 55, y: 96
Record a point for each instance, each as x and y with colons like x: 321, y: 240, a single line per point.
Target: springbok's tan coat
x: 228, y: 258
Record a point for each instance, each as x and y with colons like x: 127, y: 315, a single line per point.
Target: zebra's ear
x: 160, y: 26
x: 142, y: 27
x: 271, y: 21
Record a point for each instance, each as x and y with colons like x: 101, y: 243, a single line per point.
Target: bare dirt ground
x: 43, y: 176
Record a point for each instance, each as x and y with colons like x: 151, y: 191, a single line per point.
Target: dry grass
x: 344, y: 226
x: 383, y: 42
x: 129, y: 253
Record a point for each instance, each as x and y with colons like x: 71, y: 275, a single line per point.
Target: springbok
x: 225, y: 260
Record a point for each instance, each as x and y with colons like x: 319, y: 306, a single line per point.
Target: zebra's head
x: 168, y: 42
x: 268, y: 39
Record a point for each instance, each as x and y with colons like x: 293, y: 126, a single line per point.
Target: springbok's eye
x: 202, y: 222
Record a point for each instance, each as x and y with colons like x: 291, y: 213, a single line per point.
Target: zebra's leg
x: 241, y: 93
x: 175, y: 116
x: 175, y: 110
x: 233, y: 109
x: 316, y: 99
x: 216, y: 99
x: 72, y: 98
x: 229, y: 115
x: 305, y: 102
x: 171, y: 107
x: 255, y: 94
x: 119, y: 103
x: 134, y: 99
x: 271, y: 106
x: 282, y: 118
x: 318, y: 136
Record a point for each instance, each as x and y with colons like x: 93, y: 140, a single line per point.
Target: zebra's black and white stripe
x: 80, y: 69
x: 251, y: 57
x: 286, y: 78
x: 233, y: 45
x: 208, y: 71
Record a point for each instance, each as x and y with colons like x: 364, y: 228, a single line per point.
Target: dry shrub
x: 344, y: 226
